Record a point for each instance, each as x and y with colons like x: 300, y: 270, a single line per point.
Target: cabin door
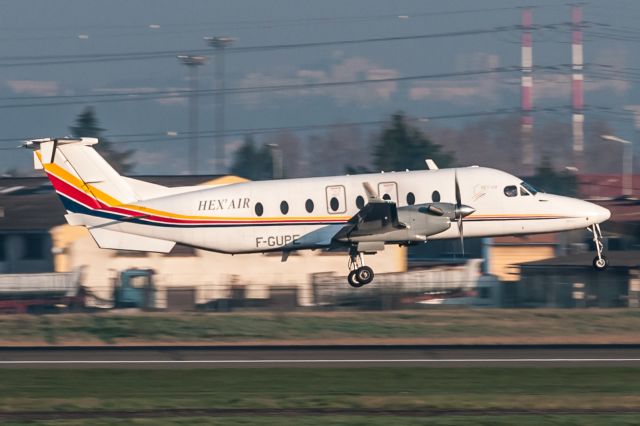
x: 388, y: 191
x: 336, y: 199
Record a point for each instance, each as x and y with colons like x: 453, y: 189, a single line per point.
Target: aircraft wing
x: 378, y: 216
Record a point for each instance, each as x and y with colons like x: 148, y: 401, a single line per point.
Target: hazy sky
x: 48, y: 31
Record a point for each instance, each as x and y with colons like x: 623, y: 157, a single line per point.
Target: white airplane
x: 359, y: 214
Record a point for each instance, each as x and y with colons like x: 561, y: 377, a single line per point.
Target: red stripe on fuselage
x: 79, y: 196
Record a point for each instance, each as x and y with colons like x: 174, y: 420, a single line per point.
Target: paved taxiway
x: 320, y: 356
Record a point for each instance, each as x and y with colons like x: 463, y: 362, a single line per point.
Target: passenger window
x: 334, y: 203
x: 284, y: 207
x: 309, y: 205
x: 511, y: 191
x: 359, y: 202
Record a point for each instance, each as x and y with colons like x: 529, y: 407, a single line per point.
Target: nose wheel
x: 360, y: 274
x: 600, y: 262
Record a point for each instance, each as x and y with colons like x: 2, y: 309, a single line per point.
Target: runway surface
x: 321, y: 356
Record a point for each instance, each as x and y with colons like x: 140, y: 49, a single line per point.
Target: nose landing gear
x: 600, y: 262
x: 360, y: 274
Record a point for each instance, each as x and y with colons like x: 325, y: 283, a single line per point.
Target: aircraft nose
x: 597, y: 214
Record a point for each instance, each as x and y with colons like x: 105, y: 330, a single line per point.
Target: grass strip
x: 437, y: 325
x: 553, y: 420
x: 377, y: 388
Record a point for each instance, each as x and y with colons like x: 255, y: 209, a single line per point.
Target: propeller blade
x: 461, y: 230
x: 460, y: 211
x: 368, y: 189
x: 458, y: 198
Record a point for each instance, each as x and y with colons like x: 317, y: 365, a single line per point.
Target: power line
x: 152, y: 94
x: 271, y: 23
x: 157, y: 137
x: 26, y: 61
x: 167, y: 94
x: 312, y: 127
x: 151, y: 137
x: 154, y: 137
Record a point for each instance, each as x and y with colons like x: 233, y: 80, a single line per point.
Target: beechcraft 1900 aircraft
x: 359, y: 214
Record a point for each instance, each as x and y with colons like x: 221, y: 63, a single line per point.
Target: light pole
x: 627, y: 163
x: 219, y: 44
x: 276, y: 160
x: 192, y: 62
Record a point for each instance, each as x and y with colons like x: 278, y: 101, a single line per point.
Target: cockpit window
x: 524, y: 192
x: 511, y: 191
x: 532, y: 190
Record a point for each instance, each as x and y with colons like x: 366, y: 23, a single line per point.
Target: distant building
x: 503, y: 254
x: 28, y: 210
x: 604, y: 186
x: 622, y: 231
x: 570, y: 281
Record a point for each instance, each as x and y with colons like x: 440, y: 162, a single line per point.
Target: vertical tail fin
x: 85, y: 183
x: 79, y: 174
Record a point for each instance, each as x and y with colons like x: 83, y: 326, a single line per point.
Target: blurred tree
x: 337, y: 150
x: 402, y: 146
x: 251, y: 162
x: 547, y: 179
x: 357, y: 170
x: 87, y: 125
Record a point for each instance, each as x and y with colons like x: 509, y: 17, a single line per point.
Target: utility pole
x: 526, y: 100
x: 193, y: 62
x: 277, y: 160
x: 577, y: 94
x: 219, y: 44
x: 627, y: 164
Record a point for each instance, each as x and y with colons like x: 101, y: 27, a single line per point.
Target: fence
x: 415, y: 289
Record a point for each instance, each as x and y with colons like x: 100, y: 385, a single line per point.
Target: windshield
x: 529, y: 188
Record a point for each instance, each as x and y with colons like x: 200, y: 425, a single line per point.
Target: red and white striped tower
x: 526, y: 101
x: 577, y: 96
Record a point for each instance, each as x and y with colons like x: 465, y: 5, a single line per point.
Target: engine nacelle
x: 423, y: 220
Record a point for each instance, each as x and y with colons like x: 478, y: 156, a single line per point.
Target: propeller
x: 461, y: 210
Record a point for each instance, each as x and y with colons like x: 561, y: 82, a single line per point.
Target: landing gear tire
x: 360, y: 274
x: 600, y: 263
x: 364, y: 275
x: 353, y: 279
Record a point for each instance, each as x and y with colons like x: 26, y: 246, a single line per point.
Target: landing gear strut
x: 599, y: 262
x: 360, y: 274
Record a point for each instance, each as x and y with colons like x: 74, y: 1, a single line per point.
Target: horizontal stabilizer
x: 115, y: 240
x: 75, y: 219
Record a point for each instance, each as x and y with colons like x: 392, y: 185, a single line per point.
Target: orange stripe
x: 106, y: 199
x: 110, y: 201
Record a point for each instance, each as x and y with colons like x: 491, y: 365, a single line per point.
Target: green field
x: 595, y: 420
x: 608, y: 389
x: 425, y: 326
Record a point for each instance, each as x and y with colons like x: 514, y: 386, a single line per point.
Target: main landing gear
x: 599, y: 262
x: 360, y: 274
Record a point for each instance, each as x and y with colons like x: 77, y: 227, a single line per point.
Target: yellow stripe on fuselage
x: 108, y: 200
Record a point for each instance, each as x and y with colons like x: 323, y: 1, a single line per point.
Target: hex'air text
x: 223, y: 204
